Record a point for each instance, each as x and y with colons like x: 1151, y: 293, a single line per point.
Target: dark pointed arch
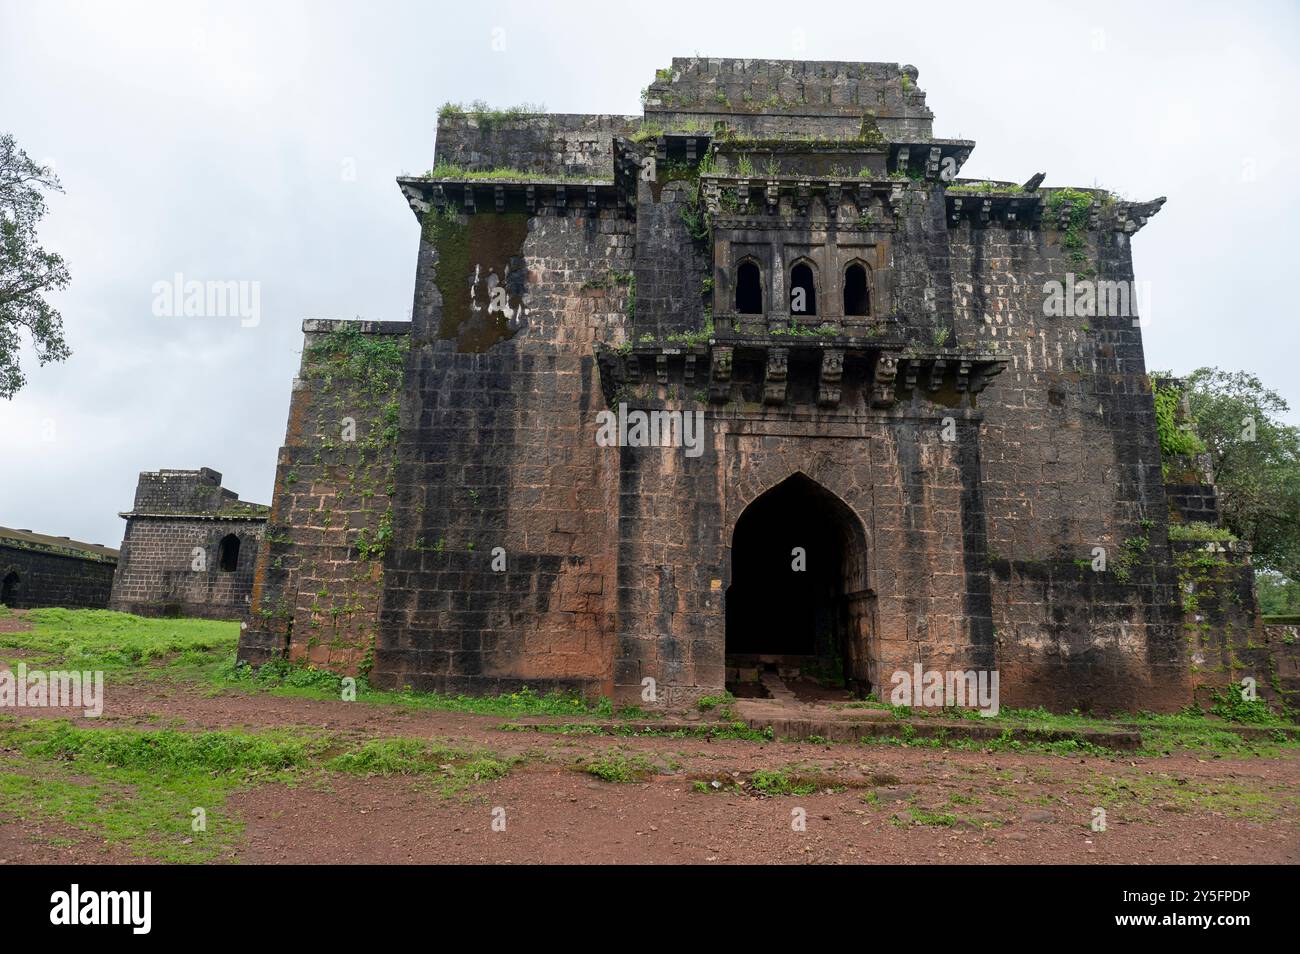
x: 803, y: 277
x: 817, y: 616
x: 857, y: 288
x: 749, y: 288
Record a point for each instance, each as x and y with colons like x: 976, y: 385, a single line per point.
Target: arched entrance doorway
x: 9, y: 588
x: 798, y: 604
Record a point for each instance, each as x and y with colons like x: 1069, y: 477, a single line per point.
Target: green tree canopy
x: 1256, y: 461
x: 27, y: 271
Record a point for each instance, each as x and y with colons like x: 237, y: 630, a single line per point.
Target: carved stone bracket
x: 712, y: 197
x: 774, y: 380
x: 833, y: 191
x: 720, y: 375
x: 832, y: 373
x: 963, y: 374
x: 936, y: 374
x: 910, y: 369
x: 803, y: 192
x: 882, y: 389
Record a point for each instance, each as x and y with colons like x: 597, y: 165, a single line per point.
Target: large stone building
x: 918, y: 443
x: 41, y: 570
x: 189, y: 548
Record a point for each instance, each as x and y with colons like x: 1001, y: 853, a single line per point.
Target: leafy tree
x: 27, y: 271
x: 1278, y: 596
x: 1256, y: 461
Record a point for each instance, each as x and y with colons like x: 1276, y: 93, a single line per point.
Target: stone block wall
x: 1283, y: 644
x: 503, y: 558
x: 915, y: 496
x: 768, y: 98
x: 42, y: 572
x: 1225, y: 637
x: 554, y: 144
x: 320, y: 569
x: 1071, y: 462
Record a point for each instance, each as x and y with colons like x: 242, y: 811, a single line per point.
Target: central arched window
x: 228, y: 554
x: 803, y: 290
x: 749, y: 289
x: 857, y: 290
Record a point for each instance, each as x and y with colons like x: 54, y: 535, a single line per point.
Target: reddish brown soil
x: 1008, y: 807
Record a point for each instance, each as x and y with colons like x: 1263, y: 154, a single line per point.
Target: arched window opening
x: 9, y: 588
x: 857, y: 291
x: 749, y: 290
x: 803, y: 291
x: 228, y: 554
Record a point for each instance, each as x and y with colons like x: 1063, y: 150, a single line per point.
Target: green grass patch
x: 280, y: 677
x: 780, y: 782
x: 138, y: 790
x: 935, y: 819
x: 452, y: 769
x: 613, y: 765
x: 719, y: 730
x: 103, y: 639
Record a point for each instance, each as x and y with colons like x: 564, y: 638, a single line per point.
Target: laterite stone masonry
x: 785, y: 249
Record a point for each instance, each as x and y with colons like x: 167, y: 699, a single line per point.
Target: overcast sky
x: 258, y: 142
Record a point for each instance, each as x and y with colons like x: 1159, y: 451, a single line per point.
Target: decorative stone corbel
x: 720, y: 374
x: 774, y: 379
x: 882, y: 388
x: 832, y: 375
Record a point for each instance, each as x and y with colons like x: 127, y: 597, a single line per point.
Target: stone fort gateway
x: 753, y: 383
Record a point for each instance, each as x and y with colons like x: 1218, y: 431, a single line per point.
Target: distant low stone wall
x: 38, y: 578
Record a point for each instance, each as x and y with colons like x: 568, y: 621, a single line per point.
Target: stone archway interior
x: 798, y: 603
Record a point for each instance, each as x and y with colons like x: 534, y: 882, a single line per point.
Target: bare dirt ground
x: 873, y: 803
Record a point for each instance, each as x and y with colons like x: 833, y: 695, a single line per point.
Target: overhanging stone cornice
x: 944, y: 375
x: 530, y: 194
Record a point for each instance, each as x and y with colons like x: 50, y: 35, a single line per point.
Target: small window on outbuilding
x: 803, y: 290
x: 228, y: 554
x: 857, y: 290
x: 749, y: 289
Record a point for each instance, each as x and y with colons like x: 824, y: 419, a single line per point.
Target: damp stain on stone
x: 481, y: 275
